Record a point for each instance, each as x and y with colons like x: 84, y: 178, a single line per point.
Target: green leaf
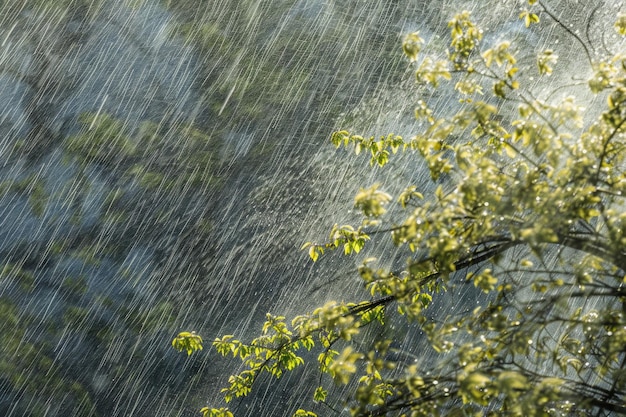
x: 484, y: 280
x: 545, y: 61
x: 344, y: 365
x: 216, y: 412
x: 529, y: 18
x: 412, y: 45
x: 371, y: 201
x: 499, y: 89
x: 320, y: 394
x: 303, y: 413
x: 620, y: 24
x: 187, y: 341
x: 473, y: 388
x: 225, y: 345
x: 313, y: 253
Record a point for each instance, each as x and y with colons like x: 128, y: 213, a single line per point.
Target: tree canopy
x: 527, y: 206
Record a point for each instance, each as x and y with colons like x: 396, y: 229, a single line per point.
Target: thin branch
x: 589, y: 21
x: 568, y: 30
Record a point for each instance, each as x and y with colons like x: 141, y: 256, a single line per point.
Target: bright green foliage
x: 187, y: 341
x: 620, y: 24
x: 379, y: 148
x: 215, y: 412
x: 412, y: 45
x: 344, y: 365
x: 545, y: 61
x: 273, y: 352
x: 320, y: 394
x: 501, y: 54
x: 465, y: 38
x: 352, y: 240
x: 529, y: 18
x: 371, y: 201
x: 526, y: 206
x: 303, y: 413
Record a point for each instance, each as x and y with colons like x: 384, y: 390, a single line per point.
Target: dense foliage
x: 527, y: 206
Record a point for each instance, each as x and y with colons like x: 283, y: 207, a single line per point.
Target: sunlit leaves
x: 351, y: 239
x: 484, y: 280
x: 620, y: 24
x: 380, y: 149
x: 547, y: 390
x: 326, y: 358
x: 189, y: 342
x: 501, y: 54
x: 339, y: 138
x: 413, y: 381
x: 372, y: 389
x: 315, y: 252
x: 546, y: 61
x: 474, y: 388
x: 617, y: 98
x: 344, y: 365
x: 430, y: 72
x: 412, y: 45
x: 320, y: 394
x: 226, y: 345
x: 410, y: 193
x: 566, y: 113
x: 529, y: 18
x: 535, y: 135
x: 345, y: 236
x: 535, y: 199
x: 604, y: 72
x: 303, y: 413
x: 371, y: 201
x: 274, y: 352
x: 422, y: 111
x: 216, y: 412
x: 499, y: 89
x: 466, y: 87
x: 240, y: 385
x: 337, y: 321
x: 511, y: 384
x: 466, y: 37
x: 276, y: 324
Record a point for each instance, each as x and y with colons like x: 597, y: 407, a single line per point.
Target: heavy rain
x: 162, y: 163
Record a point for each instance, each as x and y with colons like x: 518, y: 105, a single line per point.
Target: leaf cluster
x: 188, y: 342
